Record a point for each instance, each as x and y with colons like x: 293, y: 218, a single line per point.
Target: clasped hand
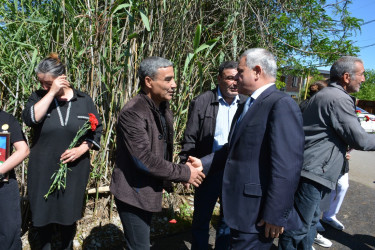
x: 196, y: 168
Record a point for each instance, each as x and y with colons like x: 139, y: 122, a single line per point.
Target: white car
x: 367, y: 120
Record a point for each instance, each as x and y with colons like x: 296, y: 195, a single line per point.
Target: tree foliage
x: 367, y: 90
x: 102, y: 43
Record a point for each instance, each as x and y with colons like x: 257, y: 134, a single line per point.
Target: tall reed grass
x: 102, y: 43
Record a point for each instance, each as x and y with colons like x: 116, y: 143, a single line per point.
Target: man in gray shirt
x: 331, y: 126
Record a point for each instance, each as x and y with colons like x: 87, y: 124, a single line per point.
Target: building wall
x: 295, y: 83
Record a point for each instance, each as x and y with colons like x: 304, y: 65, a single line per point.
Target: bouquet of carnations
x: 59, y: 177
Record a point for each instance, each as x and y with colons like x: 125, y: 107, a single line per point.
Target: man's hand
x: 196, y: 175
x: 347, y: 156
x: 196, y: 162
x: 270, y: 230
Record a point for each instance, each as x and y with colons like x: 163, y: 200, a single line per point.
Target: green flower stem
x: 59, y: 177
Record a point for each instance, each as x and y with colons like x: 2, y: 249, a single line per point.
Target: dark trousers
x: 43, y: 236
x: 10, y: 216
x: 307, y: 202
x: 136, y: 223
x: 247, y: 241
x: 205, y: 198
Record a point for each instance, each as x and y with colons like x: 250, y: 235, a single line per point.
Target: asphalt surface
x: 357, y: 213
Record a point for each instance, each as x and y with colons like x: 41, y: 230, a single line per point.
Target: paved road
x: 357, y: 212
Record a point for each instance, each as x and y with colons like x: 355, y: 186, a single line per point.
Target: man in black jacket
x: 207, y: 129
x: 144, y: 152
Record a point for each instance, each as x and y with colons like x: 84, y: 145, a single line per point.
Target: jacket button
x: 160, y: 137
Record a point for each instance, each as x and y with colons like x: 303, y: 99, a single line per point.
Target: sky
x: 365, y: 9
x: 364, y: 39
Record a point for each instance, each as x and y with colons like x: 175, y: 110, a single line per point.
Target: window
x: 295, y: 82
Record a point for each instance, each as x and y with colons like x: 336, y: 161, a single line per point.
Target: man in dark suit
x: 263, y: 157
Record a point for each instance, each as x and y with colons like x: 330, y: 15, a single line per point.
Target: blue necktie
x: 248, y: 104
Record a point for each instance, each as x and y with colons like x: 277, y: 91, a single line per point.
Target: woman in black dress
x: 56, y: 112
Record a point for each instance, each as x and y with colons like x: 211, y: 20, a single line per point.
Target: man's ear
x: 346, y: 77
x: 258, y: 70
x: 148, y: 82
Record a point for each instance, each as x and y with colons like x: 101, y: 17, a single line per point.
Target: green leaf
x: 133, y: 35
x: 187, y: 62
x: 41, y: 21
x: 197, y: 38
x: 33, y: 59
x: 202, y: 47
x: 81, y: 52
x: 145, y: 20
x: 121, y: 6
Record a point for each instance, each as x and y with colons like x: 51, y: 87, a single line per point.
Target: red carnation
x: 93, y: 121
x: 59, y: 177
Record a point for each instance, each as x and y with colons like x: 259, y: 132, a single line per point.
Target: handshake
x: 196, y: 168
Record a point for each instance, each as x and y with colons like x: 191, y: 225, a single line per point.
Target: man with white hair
x: 331, y: 126
x: 263, y: 157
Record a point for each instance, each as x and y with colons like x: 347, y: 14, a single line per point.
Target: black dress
x: 51, y: 137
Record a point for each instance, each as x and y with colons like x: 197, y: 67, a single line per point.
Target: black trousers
x: 10, y: 216
x: 43, y: 236
x: 136, y: 223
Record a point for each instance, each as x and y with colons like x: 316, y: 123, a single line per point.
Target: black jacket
x: 200, y: 127
x: 140, y: 169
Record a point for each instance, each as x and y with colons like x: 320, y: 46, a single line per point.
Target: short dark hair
x: 149, y: 67
x: 227, y: 65
x: 51, y: 65
x: 345, y: 64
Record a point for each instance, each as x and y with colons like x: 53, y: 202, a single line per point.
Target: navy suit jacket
x: 263, y: 161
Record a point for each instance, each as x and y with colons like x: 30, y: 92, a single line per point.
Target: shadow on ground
x: 108, y: 236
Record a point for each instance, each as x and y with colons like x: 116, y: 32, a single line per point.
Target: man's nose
x: 173, y: 84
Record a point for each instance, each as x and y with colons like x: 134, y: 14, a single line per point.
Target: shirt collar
x: 259, y: 91
x: 221, y: 98
x: 337, y: 85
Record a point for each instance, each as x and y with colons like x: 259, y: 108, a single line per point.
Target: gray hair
x: 51, y: 65
x: 345, y: 64
x: 149, y: 67
x: 263, y: 58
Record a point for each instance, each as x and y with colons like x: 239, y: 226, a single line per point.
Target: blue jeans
x: 307, y: 203
x: 204, y: 203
